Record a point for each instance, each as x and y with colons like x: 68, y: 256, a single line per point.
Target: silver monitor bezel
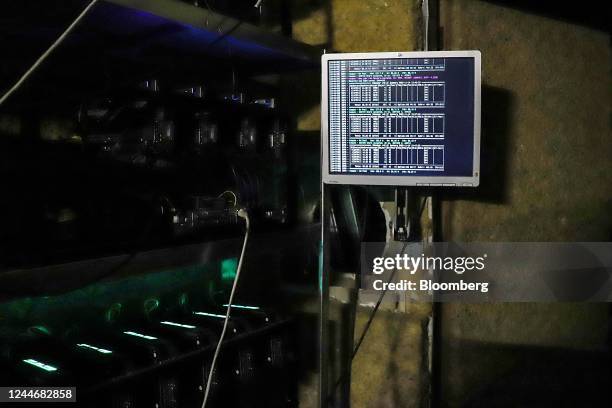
x: 328, y: 178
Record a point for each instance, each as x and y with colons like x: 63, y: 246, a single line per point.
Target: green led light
x: 150, y: 305
x: 40, y: 365
x: 98, y: 349
x: 113, y: 312
x: 209, y: 314
x: 243, y: 307
x: 185, y: 326
x: 142, y: 336
x: 228, y: 269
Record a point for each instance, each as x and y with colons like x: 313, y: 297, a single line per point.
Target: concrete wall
x: 388, y: 369
x: 353, y: 26
x: 546, y: 113
x: 547, y: 176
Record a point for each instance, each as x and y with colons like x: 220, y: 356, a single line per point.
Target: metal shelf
x: 202, y: 29
x: 124, y: 40
x: 56, y: 279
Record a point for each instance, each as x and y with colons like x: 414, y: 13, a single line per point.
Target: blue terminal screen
x: 401, y: 116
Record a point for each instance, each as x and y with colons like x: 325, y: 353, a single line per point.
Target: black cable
x: 423, y: 202
x: 372, y: 315
x: 365, y: 215
x: 378, y: 303
x: 224, y: 35
x: 367, y: 326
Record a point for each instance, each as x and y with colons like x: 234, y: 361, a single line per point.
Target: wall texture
x: 547, y: 176
x: 546, y: 122
x: 388, y: 371
x: 353, y: 26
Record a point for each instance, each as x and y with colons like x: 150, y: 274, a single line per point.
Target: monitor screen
x: 408, y: 118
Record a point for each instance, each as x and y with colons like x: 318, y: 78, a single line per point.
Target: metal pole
x: 434, y: 328
x: 324, y: 299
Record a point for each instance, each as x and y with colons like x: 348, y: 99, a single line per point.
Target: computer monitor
x: 401, y: 118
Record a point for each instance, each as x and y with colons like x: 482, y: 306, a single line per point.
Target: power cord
x: 378, y: 303
x: 44, y: 56
x: 366, y: 328
x: 373, y: 314
x: 243, y: 214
